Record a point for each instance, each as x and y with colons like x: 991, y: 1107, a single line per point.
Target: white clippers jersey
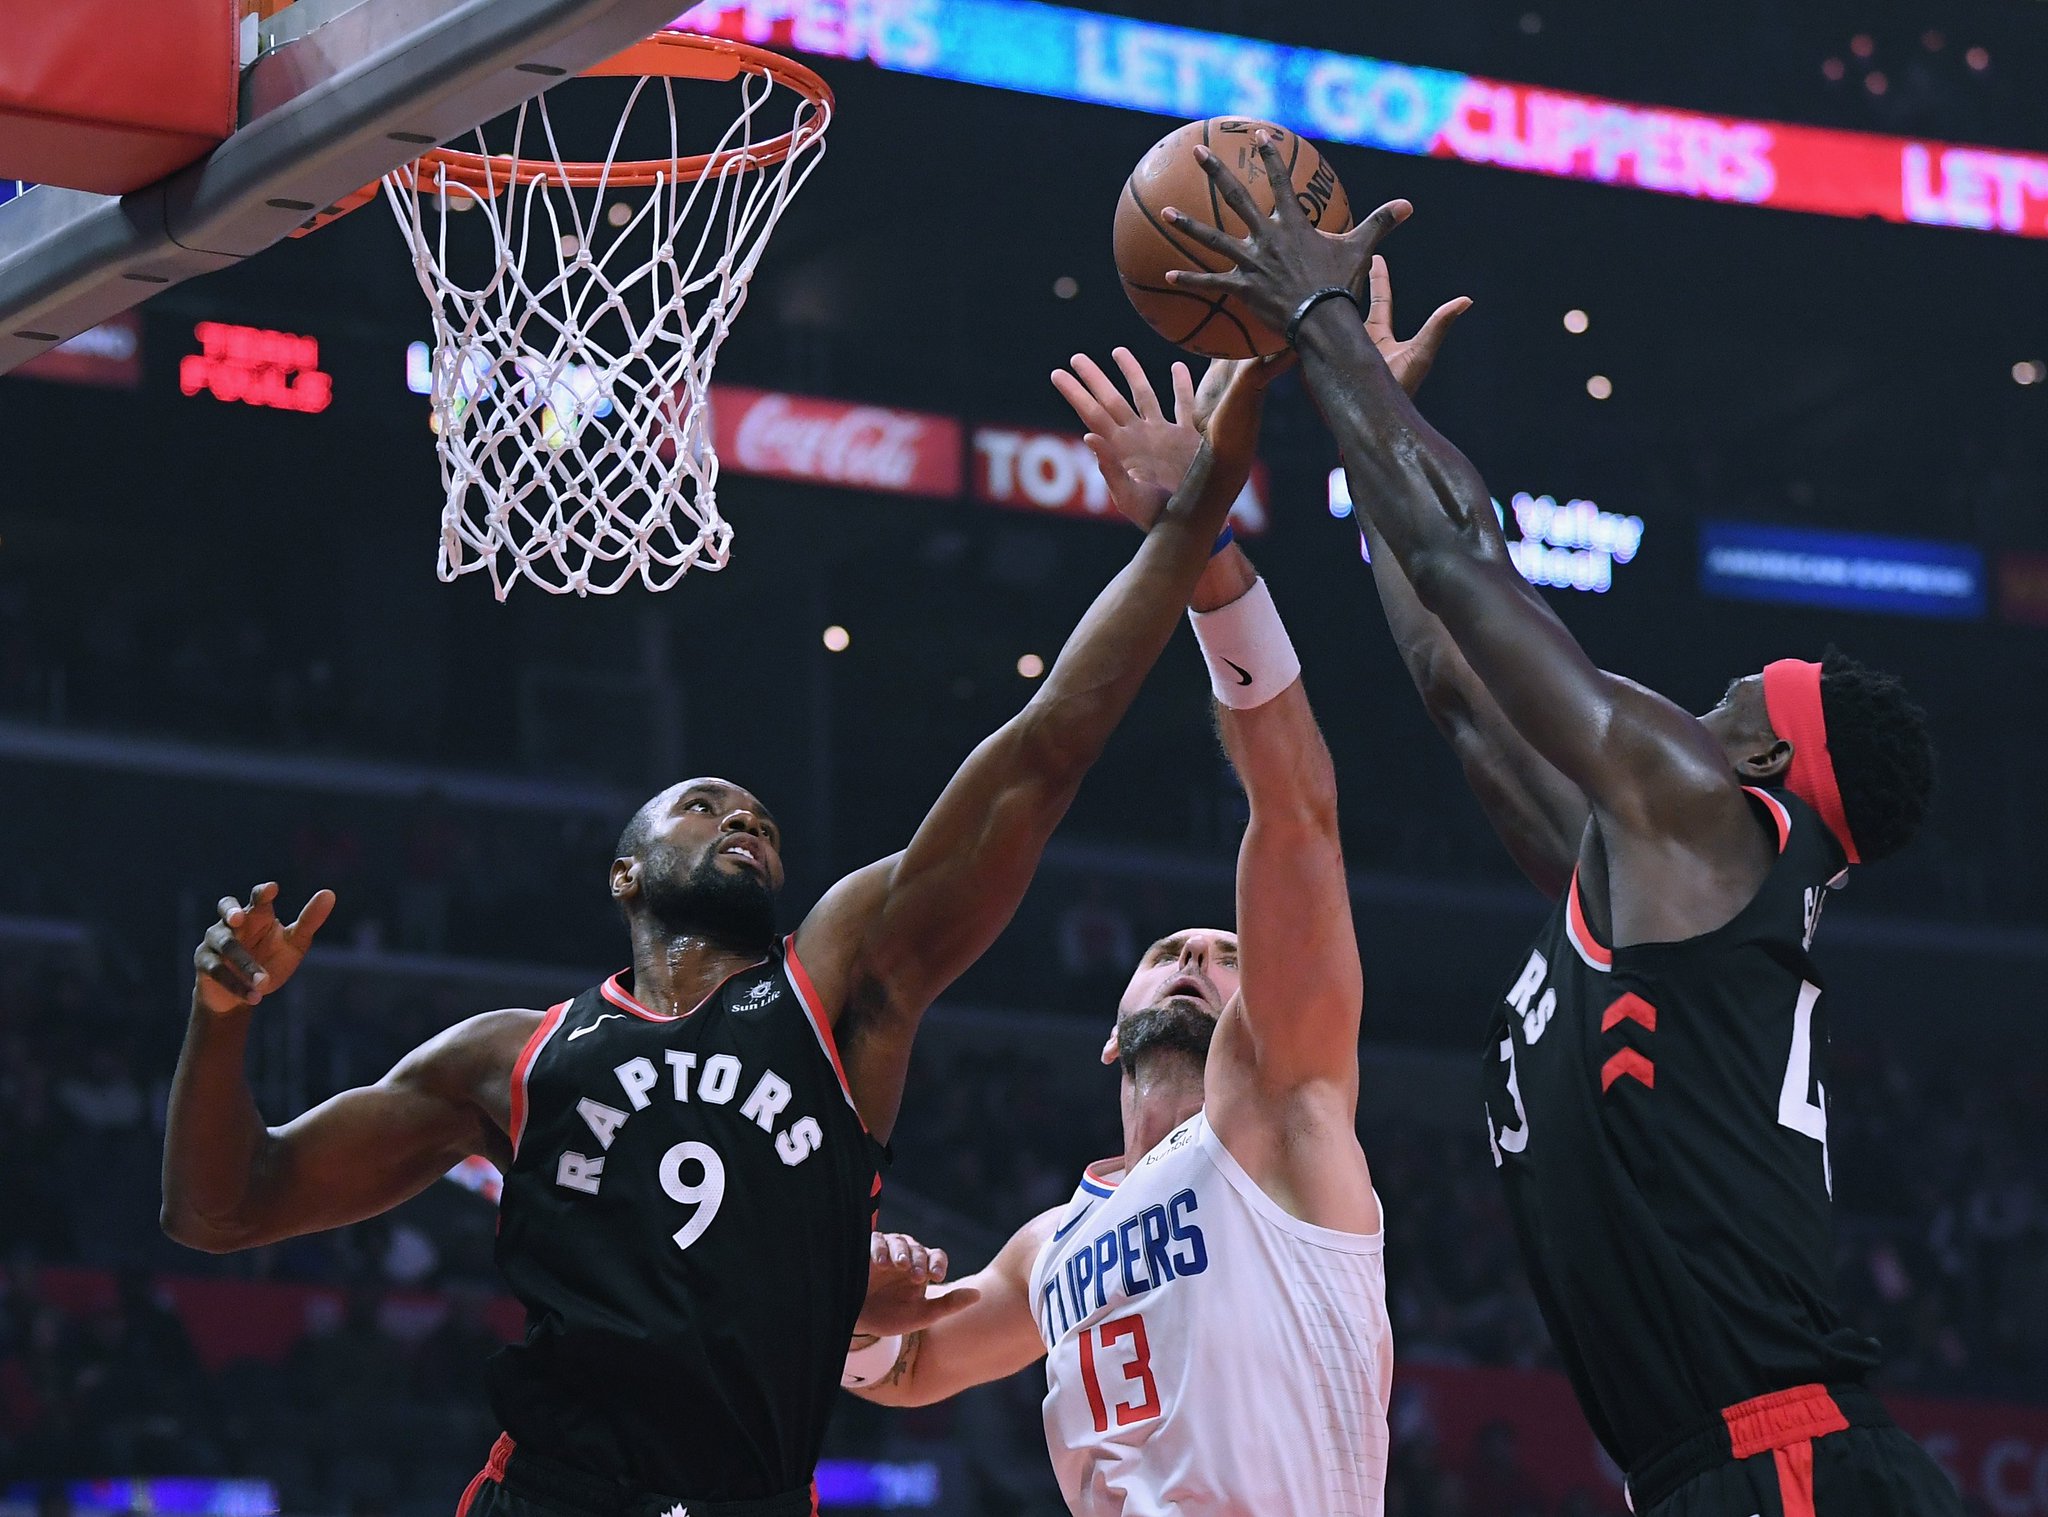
x: 1207, y: 1353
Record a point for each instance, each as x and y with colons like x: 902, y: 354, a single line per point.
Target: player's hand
x: 1283, y: 259
x: 903, y: 1281
x: 1230, y: 421
x: 1144, y: 455
x: 248, y: 953
x: 1409, y: 362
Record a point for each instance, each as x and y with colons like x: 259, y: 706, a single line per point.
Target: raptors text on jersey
x: 686, y: 1222
x: 1658, y: 1114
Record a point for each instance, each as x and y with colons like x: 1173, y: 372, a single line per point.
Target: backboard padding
x: 323, y: 114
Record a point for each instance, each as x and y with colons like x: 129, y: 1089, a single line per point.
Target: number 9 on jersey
x: 705, y: 1195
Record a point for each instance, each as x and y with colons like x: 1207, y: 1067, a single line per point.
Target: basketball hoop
x: 573, y: 352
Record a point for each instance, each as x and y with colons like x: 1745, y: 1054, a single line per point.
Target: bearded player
x: 692, y: 1150
x: 1211, y: 1303
x: 1656, y: 1074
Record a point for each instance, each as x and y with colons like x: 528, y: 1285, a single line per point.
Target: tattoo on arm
x: 906, y: 1360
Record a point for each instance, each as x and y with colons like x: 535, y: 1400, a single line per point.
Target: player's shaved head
x: 675, y: 870
x: 642, y: 825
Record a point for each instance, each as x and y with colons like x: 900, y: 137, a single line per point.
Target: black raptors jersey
x: 686, y: 1221
x: 1659, y: 1117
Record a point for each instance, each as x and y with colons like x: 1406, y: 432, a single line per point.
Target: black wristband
x: 1301, y: 311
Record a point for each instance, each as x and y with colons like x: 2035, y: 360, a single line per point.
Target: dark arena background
x: 1724, y: 426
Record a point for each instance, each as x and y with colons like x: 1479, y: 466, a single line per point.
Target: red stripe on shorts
x: 494, y: 1469
x: 1786, y: 1423
x: 1795, y: 1478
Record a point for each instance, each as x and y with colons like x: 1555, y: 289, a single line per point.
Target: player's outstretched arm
x: 885, y: 941
x: 1538, y: 813
x: 1281, y: 1082
x: 1295, y: 1020
x: 1645, y: 764
x: 992, y: 1336
x: 232, y: 1182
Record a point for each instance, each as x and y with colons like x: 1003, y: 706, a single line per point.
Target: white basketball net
x: 572, y: 357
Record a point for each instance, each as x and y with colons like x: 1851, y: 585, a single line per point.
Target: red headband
x: 1792, y: 697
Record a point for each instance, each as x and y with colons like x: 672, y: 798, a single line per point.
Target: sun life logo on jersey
x: 762, y: 995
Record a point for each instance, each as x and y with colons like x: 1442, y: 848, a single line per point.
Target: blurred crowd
x: 1942, y: 1208
x: 433, y: 874
x: 377, y: 1406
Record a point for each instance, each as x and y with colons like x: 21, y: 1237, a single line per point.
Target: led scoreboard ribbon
x: 1139, y: 65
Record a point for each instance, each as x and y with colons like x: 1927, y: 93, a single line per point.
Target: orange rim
x: 672, y: 55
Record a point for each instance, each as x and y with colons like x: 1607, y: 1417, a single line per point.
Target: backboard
x: 333, y: 95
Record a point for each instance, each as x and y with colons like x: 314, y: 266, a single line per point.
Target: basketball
x: 1147, y: 248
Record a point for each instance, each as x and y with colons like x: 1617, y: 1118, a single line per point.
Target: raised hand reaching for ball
x: 1284, y: 267
x: 1147, y: 248
x: 1144, y: 454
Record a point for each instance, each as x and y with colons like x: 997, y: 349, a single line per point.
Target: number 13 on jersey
x: 1121, y: 1345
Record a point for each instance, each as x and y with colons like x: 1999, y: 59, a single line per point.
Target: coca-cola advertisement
x: 1054, y: 474
x: 835, y: 442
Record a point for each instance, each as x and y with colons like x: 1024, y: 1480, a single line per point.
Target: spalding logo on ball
x: 1147, y: 247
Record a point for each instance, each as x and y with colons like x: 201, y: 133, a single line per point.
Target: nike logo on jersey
x: 1244, y: 675
x: 607, y: 1017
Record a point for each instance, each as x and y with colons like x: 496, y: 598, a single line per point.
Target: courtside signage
x: 258, y: 367
x: 1573, y: 546
x: 1054, y: 474
x: 1848, y: 571
x: 888, y: 451
x: 108, y: 354
x: 800, y: 437
x: 105, y: 1497
x: 870, y: 1483
x: 835, y: 442
x: 1336, y: 97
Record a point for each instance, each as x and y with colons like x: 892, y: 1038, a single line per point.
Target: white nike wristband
x: 864, y: 1366
x: 1250, y: 657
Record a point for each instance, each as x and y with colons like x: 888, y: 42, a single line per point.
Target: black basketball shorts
x: 1812, y: 1451
x: 518, y: 1484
